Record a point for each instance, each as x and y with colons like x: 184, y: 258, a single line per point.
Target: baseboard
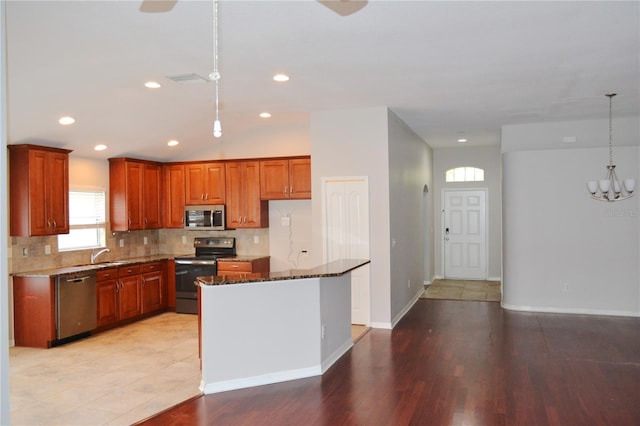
x: 494, y: 279
x: 12, y: 343
x: 406, y: 309
x: 265, y: 379
x: 575, y: 311
x: 383, y: 325
x: 331, y: 359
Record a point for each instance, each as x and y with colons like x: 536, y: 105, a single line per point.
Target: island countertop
x: 331, y: 269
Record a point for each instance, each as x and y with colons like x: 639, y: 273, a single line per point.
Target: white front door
x: 345, y: 206
x: 465, y: 239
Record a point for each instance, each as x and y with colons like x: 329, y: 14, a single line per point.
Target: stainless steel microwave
x: 204, y: 218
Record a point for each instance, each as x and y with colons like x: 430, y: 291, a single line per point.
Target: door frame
x: 486, y: 227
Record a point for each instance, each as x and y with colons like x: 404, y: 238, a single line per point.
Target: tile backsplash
x: 30, y: 253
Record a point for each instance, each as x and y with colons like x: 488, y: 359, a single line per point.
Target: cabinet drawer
x: 126, y: 271
x: 150, y: 267
x: 107, y: 274
x: 234, y: 266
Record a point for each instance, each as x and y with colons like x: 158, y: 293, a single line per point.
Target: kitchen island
x: 258, y: 329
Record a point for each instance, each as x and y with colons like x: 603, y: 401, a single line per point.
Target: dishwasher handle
x: 78, y: 279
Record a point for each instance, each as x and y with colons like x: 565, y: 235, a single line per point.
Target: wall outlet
x: 47, y: 249
x: 304, y: 253
x: 121, y: 243
x: 256, y: 239
x: 408, y: 283
x: 285, y: 220
x: 323, y: 331
x: 25, y: 251
x: 184, y: 239
x: 145, y: 240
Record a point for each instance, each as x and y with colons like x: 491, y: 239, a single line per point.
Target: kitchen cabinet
x: 205, y: 183
x: 241, y: 267
x: 135, y: 194
x: 245, y: 209
x: 34, y: 311
x: 153, y: 287
x: 174, y: 196
x: 283, y: 179
x: 107, y: 296
x: 39, y: 190
x: 118, y: 298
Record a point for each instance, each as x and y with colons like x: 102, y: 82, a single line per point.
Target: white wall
x: 410, y: 168
x: 487, y: 158
x: 286, y: 243
x: 354, y: 142
x: 4, y: 234
x: 563, y: 251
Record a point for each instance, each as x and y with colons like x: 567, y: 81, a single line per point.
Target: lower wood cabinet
x: 129, y: 292
x: 241, y: 267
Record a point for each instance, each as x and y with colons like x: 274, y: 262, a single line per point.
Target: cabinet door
x: 195, y: 184
x: 234, y: 194
x: 57, y: 192
x: 38, y: 219
x: 107, y: 294
x: 174, y: 196
x: 152, y: 194
x: 134, y: 178
x: 274, y: 179
x: 255, y: 210
x: 214, y: 183
x: 300, y: 178
x: 152, y: 289
x: 129, y: 297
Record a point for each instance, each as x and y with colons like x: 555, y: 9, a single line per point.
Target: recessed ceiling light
x: 100, y: 147
x: 265, y: 115
x: 462, y: 140
x: 66, y: 120
x: 173, y: 142
x: 152, y: 85
x: 281, y: 77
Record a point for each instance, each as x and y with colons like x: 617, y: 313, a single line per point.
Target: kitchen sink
x: 107, y: 263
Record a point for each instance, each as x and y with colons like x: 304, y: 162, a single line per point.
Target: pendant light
x: 610, y: 188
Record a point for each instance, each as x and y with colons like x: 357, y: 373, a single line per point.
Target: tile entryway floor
x: 488, y: 291
x: 115, y: 378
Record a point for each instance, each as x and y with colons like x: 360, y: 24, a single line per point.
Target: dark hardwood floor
x: 454, y: 363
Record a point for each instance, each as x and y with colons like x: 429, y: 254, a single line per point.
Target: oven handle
x: 194, y: 262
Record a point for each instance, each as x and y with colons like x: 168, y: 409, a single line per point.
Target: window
x: 87, y: 223
x: 464, y: 174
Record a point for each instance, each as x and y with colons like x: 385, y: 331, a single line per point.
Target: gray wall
x: 563, y: 251
x: 487, y: 158
x: 374, y: 142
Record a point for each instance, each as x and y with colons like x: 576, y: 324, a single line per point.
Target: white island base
x: 266, y: 332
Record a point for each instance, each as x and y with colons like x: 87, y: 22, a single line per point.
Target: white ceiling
x: 446, y: 68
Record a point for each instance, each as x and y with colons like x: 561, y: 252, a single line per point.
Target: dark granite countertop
x: 332, y: 269
x: 242, y: 258
x: 69, y: 270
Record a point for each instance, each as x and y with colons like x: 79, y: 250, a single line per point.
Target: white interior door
x: 345, y: 206
x: 465, y: 239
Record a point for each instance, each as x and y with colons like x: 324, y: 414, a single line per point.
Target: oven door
x: 187, y: 270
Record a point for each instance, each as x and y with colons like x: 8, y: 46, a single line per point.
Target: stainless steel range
x: 203, y: 263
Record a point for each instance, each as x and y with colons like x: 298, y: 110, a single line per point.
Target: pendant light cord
x: 610, y: 96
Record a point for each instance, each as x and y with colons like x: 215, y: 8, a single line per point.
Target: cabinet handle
x: 284, y: 190
x: 235, y: 266
x: 291, y: 191
x: 202, y: 196
x: 206, y: 196
x: 55, y: 225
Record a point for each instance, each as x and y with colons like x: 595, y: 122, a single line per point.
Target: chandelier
x: 215, y: 75
x: 610, y: 188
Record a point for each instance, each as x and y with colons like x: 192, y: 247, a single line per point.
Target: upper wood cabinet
x: 284, y: 179
x: 39, y: 190
x: 174, y: 195
x: 205, y: 183
x: 244, y: 207
x: 135, y: 194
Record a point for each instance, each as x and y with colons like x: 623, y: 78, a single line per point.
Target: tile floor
x: 488, y: 291
x: 114, y: 378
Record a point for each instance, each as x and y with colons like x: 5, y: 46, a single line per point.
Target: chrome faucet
x: 94, y: 256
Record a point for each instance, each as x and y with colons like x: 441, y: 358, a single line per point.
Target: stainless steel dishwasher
x: 76, y: 313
